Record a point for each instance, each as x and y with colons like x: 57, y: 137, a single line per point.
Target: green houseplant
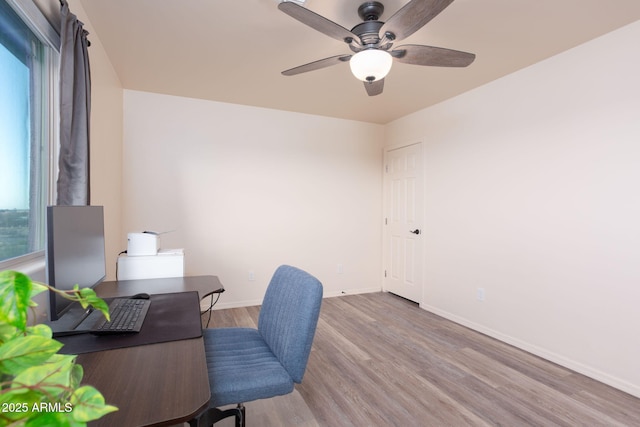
x: 38, y: 386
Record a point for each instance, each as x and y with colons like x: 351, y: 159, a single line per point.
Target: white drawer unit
x: 167, y: 263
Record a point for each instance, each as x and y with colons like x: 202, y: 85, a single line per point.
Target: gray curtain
x: 75, y: 111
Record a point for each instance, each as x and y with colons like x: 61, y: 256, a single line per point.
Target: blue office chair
x: 247, y: 364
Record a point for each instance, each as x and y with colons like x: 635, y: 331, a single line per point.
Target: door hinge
x: 385, y: 221
x: 386, y: 168
x: 385, y: 273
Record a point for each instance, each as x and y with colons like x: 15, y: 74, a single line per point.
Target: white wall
x: 532, y: 194
x: 248, y: 189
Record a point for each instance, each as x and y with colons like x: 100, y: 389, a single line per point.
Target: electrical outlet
x: 340, y: 269
x: 480, y: 294
x: 252, y: 276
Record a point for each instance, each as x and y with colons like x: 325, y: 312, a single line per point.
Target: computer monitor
x: 75, y: 251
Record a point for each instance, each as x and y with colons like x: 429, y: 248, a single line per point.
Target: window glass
x: 24, y: 136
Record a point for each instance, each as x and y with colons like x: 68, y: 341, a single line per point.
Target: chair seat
x: 241, y: 367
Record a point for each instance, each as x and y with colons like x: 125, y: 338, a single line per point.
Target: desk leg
x: 213, y: 415
x: 210, y: 308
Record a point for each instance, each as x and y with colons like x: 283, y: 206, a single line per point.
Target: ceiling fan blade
x: 433, y: 56
x: 411, y: 17
x: 374, y: 88
x: 318, y: 22
x: 316, y: 65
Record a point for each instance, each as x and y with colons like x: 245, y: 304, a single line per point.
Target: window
x: 28, y: 79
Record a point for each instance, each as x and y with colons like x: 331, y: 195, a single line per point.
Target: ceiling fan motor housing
x: 368, y: 31
x: 370, y: 11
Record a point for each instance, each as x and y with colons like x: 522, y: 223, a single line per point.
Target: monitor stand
x: 76, y: 320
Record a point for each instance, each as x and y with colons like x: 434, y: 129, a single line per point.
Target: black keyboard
x: 127, y: 315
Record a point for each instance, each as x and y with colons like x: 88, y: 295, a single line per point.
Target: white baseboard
x: 351, y: 292
x: 249, y: 303
x: 589, y: 371
x: 236, y: 304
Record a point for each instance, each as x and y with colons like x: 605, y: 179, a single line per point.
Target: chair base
x: 213, y: 415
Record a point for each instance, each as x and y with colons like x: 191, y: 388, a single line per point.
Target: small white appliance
x: 143, y: 244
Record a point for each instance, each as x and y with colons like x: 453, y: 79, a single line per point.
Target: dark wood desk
x: 157, y: 384
x: 204, y: 285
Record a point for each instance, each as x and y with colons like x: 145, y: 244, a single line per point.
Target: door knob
x: 416, y: 231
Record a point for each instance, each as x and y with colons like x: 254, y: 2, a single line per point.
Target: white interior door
x: 403, y: 221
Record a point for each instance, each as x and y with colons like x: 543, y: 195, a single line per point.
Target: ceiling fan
x: 372, y: 40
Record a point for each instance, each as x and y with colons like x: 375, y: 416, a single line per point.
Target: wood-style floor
x: 379, y: 360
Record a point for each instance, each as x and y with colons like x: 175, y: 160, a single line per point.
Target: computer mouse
x: 141, y: 295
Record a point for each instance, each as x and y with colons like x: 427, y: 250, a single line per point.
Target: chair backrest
x: 289, y: 316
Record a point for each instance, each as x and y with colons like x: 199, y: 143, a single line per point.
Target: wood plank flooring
x: 379, y: 360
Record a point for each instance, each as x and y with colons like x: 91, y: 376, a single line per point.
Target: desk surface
x: 157, y: 384
x: 204, y: 285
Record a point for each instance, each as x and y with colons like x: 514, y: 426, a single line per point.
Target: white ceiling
x: 234, y: 50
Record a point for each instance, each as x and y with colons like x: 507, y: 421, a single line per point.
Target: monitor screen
x: 75, y: 251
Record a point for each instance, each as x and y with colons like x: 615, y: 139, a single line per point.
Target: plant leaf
x: 37, y: 288
x: 15, y: 293
x: 52, y: 377
x: 31, y: 373
x: 7, y: 332
x: 76, y: 376
x: 88, y: 296
x: 88, y: 404
x: 50, y: 419
x: 24, y: 399
x: 40, y: 330
x: 22, y: 352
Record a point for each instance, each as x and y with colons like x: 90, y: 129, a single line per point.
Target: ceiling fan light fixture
x: 371, y: 65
